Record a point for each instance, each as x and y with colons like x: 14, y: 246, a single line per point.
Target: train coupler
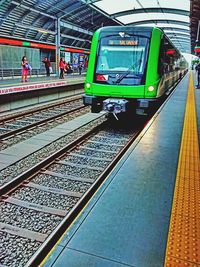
x: 115, y: 106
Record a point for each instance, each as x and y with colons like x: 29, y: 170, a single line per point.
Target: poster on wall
x: 81, y: 59
x: 67, y: 57
x: 75, y: 60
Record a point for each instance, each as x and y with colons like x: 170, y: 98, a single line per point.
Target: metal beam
x: 21, y: 21
x: 179, y: 37
x: 174, y: 33
x: 73, y: 7
x: 175, y: 29
x: 180, y: 41
x: 62, y: 8
x: 74, y: 37
x: 197, y: 38
x: 186, y: 44
x: 41, y: 30
x: 62, y: 24
x: 33, y: 10
x: 178, y: 22
x: 186, y: 47
x: 90, y: 1
x: 105, y: 14
x: 2, y: 1
x: 25, y: 39
x: 6, y: 14
x: 182, y: 49
x: 75, y: 28
x: 49, y: 24
x: 35, y: 21
x: 57, y: 46
x: 151, y: 10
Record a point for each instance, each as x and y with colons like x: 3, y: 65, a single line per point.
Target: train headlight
x: 88, y: 85
x: 150, y: 88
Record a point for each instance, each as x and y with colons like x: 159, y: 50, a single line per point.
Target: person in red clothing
x: 62, y: 68
x: 47, y: 64
x: 25, y: 69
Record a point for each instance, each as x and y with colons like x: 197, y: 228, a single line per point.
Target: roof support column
x: 197, y: 40
x: 57, y: 46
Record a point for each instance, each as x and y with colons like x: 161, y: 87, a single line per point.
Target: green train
x: 130, y: 69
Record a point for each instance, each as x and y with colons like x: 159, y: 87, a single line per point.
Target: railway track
x: 29, y: 110
x: 17, y: 124
x: 22, y: 127
x: 11, y: 171
x: 38, y: 205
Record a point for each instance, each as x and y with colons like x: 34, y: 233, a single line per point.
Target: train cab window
x: 124, y: 57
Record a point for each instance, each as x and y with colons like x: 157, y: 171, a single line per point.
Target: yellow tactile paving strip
x: 183, y: 245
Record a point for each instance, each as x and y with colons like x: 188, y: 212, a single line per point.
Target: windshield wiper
x: 126, y: 74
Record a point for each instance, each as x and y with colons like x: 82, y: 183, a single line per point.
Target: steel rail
x: 10, y: 186
x: 69, y: 218
x: 34, y: 124
x: 36, y: 109
x: 7, y: 189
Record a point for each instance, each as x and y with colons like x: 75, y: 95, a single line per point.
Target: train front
x: 116, y: 76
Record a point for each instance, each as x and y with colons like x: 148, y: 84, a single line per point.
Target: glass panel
x: 123, y: 59
x: 110, y: 6
x: 14, y: 62
x: 151, y: 16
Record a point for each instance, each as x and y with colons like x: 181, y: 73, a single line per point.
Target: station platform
x: 15, y: 95
x: 10, y: 86
x: 147, y: 212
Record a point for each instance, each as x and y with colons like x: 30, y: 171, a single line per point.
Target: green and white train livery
x: 130, y: 68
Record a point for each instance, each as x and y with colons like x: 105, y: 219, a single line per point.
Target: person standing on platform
x: 65, y: 68
x: 80, y: 68
x: 197, y: 68
x: 47, y: 64
x: 69, y: 69
x: 62, y: 68
x: 25, y: 69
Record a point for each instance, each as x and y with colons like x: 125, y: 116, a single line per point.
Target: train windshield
x: 122, y: 60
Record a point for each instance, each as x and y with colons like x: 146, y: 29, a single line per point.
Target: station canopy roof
x: 170, y: 15
x: 35, y: 20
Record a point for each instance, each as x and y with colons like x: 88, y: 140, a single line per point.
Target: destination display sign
x: 123, y: 42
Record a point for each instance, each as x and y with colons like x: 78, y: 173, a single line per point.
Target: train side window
x: 166, y: 59
x: 161, y: 62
